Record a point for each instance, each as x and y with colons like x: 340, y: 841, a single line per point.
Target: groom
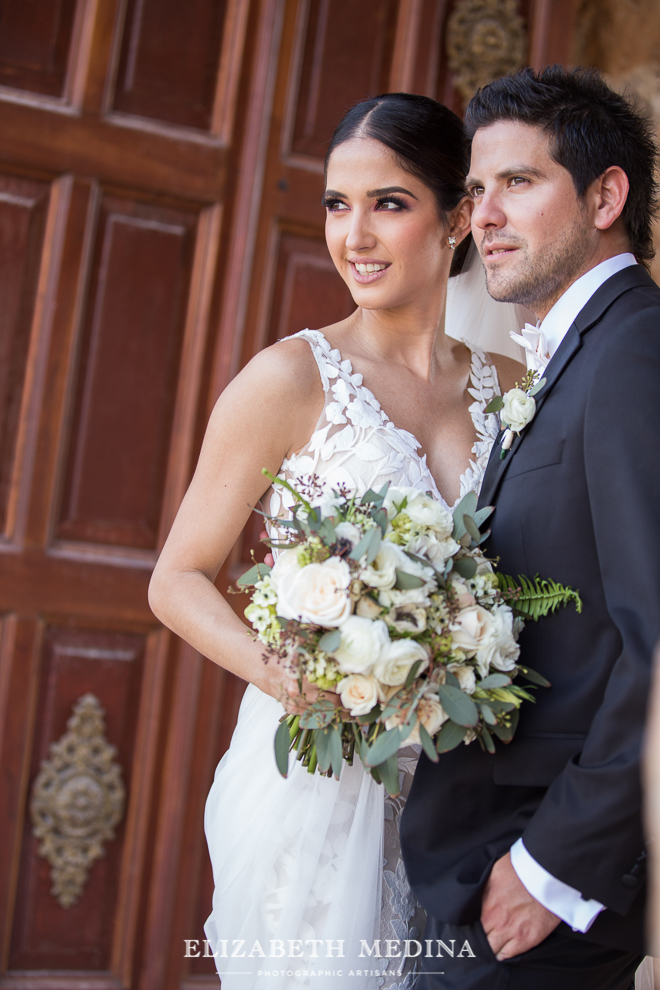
x: 536, y: 855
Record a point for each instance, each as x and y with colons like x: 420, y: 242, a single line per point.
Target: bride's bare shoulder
x: 288, y: 366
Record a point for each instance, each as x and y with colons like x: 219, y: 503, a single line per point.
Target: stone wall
x: 622, y: 38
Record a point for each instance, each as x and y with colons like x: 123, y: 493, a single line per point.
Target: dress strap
x: 328, y: 360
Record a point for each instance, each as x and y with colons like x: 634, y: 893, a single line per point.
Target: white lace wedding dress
x: 311, y: 858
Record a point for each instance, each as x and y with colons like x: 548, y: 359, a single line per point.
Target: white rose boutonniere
x: 516, y: 408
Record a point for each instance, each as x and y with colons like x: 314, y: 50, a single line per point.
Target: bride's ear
x: 460, y: 219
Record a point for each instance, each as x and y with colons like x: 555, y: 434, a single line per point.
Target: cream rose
x: 362, y: 644
x: 381, y: 573
x: 518, y: 409
x: 429, y: 712
x: 467, y: 678
x: 471, y: 628
x: 401, y: 654
x: 498, y: 647
x: 395, y: 496
x: 368, y: 608
x: 358, y: 693
x: 317, y: 593
x: 437, y: 551
x: 286, y: 562
x: 464, y: 596
x: 427, y: 511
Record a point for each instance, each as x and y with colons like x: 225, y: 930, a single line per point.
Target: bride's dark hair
x: 428, y: 140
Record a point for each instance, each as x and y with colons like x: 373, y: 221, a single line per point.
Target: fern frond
x: 533, y: 599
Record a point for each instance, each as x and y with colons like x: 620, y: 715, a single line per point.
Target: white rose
x: 470, y: 628
x: 401, y: 654
x: 427, y: 511
x: 437, y: 551
x: 467, y: 678
x: 464, y: 597
x: 316, y: 593
x: 348, y: 531
x: 358, y: 693
x: 431, y: 714
x: 518, y: 409
x: 498, y: 647
x: 368, y: 608
x: 286, y: 563
x: 381, y: 573
x: 395, y: 496
x: 362, y: 644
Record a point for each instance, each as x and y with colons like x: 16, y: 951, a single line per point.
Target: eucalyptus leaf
x: 506, y: 732
x: 427, y: 744
x: 449, y: 737
x: 336, y: 750
x: 318, y: 715
x: 329, y: 642
x: 494, y: 681
x: 537, y: 387
x: 385, y: 746
x: 459, y: 706
x: 487, y: 739
x: 282, y: 743
x: 452, y: 679
x: 323, y: 742
x: 327, y: 532
x: 374, y: 546
x: 370, y: 716
x: 472, y: 528
x: 488, y: 714
x: 388, y: 773
x: 534, y: 676
x: 465, y: 566
x: 405, y: 581
x: 412, y: 673
x: 256, y: 573
x: 381, y: 520
x: 467, y: 506
x: 481, y: 515
x: 495, y: 404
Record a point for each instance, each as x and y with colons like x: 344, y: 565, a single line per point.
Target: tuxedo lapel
x: 629, y: 278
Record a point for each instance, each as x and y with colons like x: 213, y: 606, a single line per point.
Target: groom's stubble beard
x: 540, y: 278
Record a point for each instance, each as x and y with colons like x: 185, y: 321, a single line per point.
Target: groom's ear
x: 609, y: 191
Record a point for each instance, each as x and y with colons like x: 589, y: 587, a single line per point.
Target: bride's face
x: 383, y: 229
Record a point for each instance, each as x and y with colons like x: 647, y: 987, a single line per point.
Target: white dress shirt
x: 560, y: 898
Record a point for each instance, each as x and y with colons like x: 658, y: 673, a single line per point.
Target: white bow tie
x: 536, y: 348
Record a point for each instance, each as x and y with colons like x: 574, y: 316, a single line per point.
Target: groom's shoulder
x: 626, y: 294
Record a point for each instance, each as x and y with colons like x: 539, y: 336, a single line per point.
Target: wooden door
x: 160, y: 221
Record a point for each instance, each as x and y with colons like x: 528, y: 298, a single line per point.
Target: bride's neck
x: 414, y: 337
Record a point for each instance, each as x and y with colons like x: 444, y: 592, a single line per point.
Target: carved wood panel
x: 34, y: 44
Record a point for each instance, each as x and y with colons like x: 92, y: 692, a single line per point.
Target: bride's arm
x: 269, y: 410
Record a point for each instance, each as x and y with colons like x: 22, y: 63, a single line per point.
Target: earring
x: 452, y: 242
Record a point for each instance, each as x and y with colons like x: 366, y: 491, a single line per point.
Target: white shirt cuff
x: 555, y: 895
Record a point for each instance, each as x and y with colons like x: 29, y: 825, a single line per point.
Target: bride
x: 307, y: 869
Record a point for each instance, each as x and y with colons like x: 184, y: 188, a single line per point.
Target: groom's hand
x: 513, y: 920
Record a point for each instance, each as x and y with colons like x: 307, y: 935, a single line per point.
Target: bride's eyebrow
x: 388, y: 190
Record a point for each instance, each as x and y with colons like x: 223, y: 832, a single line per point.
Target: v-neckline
x: 422, y: 458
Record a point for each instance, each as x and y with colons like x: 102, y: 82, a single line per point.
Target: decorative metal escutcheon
x: 77, y: 800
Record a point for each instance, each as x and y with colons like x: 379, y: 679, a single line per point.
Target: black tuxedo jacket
x: 578, y: 500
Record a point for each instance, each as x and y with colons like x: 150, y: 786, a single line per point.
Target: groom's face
x: 534, y: 233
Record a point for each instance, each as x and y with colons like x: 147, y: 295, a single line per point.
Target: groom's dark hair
x: 591, y: 128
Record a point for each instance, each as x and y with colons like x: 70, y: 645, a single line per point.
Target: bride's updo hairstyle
x: 427, y: 139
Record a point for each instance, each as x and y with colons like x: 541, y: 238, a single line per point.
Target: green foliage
x: 459, y: 706
x: 256, y: 573
x: 282, y: 743
x: 533, y: 599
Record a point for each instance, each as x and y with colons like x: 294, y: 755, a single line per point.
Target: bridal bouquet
x: 388, y: 601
